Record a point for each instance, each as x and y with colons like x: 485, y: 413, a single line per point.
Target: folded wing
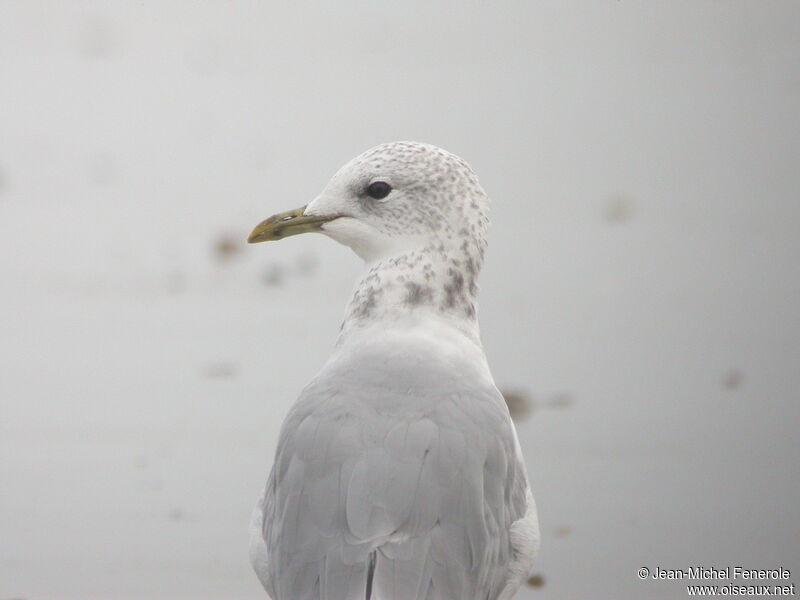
x: 433, y: 490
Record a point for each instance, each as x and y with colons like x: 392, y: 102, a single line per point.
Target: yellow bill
x: 285, y: 224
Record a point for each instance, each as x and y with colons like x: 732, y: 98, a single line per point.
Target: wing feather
x: 434, y: 487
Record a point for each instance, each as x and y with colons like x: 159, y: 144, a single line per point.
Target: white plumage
x: 398, y: 474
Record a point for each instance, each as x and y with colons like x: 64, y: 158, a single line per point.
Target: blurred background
x: 640, y: 303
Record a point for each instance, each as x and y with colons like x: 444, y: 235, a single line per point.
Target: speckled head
x: 403, y: 196
x: 417, y: 215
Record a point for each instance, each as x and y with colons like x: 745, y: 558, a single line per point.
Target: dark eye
x: 378, y: 190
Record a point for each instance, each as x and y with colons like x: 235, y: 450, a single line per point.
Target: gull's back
x: 399, y: 472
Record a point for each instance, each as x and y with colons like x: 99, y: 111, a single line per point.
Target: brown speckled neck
x: 434, y: 279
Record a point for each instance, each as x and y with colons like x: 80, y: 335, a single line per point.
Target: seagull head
x: 393, y: 198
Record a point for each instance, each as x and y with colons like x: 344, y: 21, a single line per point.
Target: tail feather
x: 371, y: 572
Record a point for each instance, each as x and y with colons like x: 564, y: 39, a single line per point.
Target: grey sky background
x: 641, y: 288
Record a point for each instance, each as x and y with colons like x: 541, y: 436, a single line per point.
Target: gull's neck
x: 416, y: 286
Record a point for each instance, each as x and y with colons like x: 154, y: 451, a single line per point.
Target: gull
x: 398, y: 474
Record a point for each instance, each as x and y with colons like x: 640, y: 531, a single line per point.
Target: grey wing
x: 438, y: 497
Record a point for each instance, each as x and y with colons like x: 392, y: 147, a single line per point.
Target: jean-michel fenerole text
x: 722, y: 573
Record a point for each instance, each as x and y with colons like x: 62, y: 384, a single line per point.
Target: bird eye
x: 378, y: 190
